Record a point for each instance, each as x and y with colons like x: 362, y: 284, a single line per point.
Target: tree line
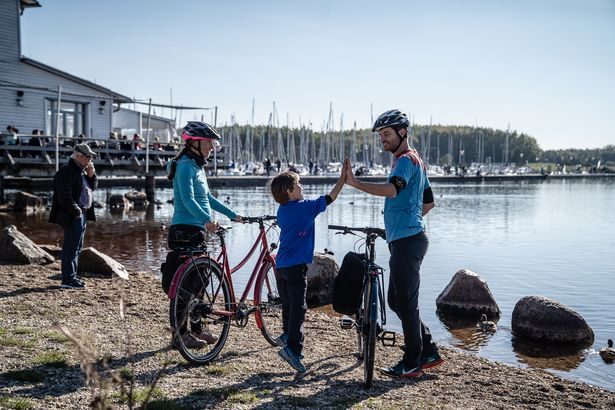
x: 437, y: 144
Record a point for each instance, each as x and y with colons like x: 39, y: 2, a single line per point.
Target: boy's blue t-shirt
x: 403, y: 215
x: 297, y: 233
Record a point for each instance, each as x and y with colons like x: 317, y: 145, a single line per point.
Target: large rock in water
x: 321, y: 276
x: 543, y: 319
x: 138, y: 200
x: 93, y: 261
x: 25, y: 202
x: 467, y: 294
x: 17, y: 248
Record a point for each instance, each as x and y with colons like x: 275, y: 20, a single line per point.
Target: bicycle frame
x: 222, y: 261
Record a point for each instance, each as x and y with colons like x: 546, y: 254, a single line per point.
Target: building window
x: 72, y: 118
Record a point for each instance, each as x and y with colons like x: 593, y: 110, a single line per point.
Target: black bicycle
x: 371, y: 314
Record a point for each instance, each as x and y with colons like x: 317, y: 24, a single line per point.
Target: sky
x: 546, y: 67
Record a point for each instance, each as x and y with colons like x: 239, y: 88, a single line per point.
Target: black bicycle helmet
x: 196, y: 130
x: 392, y: 118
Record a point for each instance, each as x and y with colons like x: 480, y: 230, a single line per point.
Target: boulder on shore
x: 320, y: 276
x: 467, y: 294
x: 543, y: 319
x: 25, y: 202
x: 93, y: 261
x: 53, y: 250
x: 17, y: 248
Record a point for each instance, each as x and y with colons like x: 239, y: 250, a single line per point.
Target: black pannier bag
x: 349, y: 283
x: 179, y: 236
x: 168, y: 268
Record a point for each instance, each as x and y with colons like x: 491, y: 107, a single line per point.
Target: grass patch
x: 52, y: 359
x: 344, y: 402
x: 139, y: 395
x: 28, y: 375
x: 217, y: 370
x: 377, y: 403
x: 23, y: 330
x: 55, y: 336
x: 163, y: 405
x: 8, y: 341
x: 220, y: 393
x: 300, y: 401
x: 176, y: 361
x: 3, y: 331
x: 231, y: 353
x: 243, y: 397
x: 127, y: 374
x: 16, y: 403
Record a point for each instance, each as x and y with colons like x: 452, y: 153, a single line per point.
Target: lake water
x: 552, y: 238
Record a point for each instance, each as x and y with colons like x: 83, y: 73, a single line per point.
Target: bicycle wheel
x: 269, y: 309
x: 370, y: 331
x: 201, y: 294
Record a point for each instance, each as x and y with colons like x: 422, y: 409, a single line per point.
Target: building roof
x: 24, y: 4
x: 119, y: 98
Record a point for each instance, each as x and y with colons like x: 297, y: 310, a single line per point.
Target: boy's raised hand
x: 350, y: 179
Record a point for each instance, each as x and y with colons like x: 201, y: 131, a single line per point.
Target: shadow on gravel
x: 336, y: 387
x: 24, y: 291
x: 58, y: 382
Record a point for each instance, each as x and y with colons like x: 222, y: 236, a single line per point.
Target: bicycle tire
x: 370, y: 331
x: 201, y: 291
x: 269, y: 305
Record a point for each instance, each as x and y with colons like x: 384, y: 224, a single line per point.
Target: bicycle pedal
x: 346, y: 322
x: 387, y: 338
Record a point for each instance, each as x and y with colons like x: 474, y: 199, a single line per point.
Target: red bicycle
x: 202, y: 294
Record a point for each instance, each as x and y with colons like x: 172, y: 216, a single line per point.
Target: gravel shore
x: 40, y: 367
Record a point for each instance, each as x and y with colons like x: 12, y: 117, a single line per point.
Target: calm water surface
x: 550, y: 238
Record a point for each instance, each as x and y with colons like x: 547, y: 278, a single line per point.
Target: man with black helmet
x: 408, y: 198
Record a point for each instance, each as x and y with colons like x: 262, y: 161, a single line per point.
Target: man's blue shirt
x: 403, y: 215
x: 297, y: 233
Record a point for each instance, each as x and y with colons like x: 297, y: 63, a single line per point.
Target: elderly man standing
x: 72, y: 208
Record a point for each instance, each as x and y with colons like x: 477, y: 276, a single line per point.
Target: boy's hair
x: 281, y: 184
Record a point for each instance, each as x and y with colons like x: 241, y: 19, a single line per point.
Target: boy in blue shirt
x: 296, y: 220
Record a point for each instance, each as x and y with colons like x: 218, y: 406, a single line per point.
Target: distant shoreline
x: 251, y: 181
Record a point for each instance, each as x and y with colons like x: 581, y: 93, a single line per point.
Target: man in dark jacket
x: 72, y: 208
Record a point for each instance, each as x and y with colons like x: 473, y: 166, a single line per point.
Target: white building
x: 30, y: 90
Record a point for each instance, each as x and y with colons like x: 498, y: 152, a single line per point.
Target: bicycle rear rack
x: 387, y: 338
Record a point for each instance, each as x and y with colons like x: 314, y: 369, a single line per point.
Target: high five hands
x: 347, y: 169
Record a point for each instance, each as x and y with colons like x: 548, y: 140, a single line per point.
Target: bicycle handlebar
x: 369, y: 231
x: 258, y: 219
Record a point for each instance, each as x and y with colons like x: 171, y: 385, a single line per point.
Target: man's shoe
x: 292, y: 359
x: 206, y: 336
x: 73, y: 284
x: 282, y: 340
x: 191, y: 342
x: 400, y: 370
x: 428, y: 362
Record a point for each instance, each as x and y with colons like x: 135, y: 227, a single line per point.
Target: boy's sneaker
x: 292, y: 359
x: 400, y: 370
x: 73, y: 284
x: 428, y: 362
x: 282, y: 340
